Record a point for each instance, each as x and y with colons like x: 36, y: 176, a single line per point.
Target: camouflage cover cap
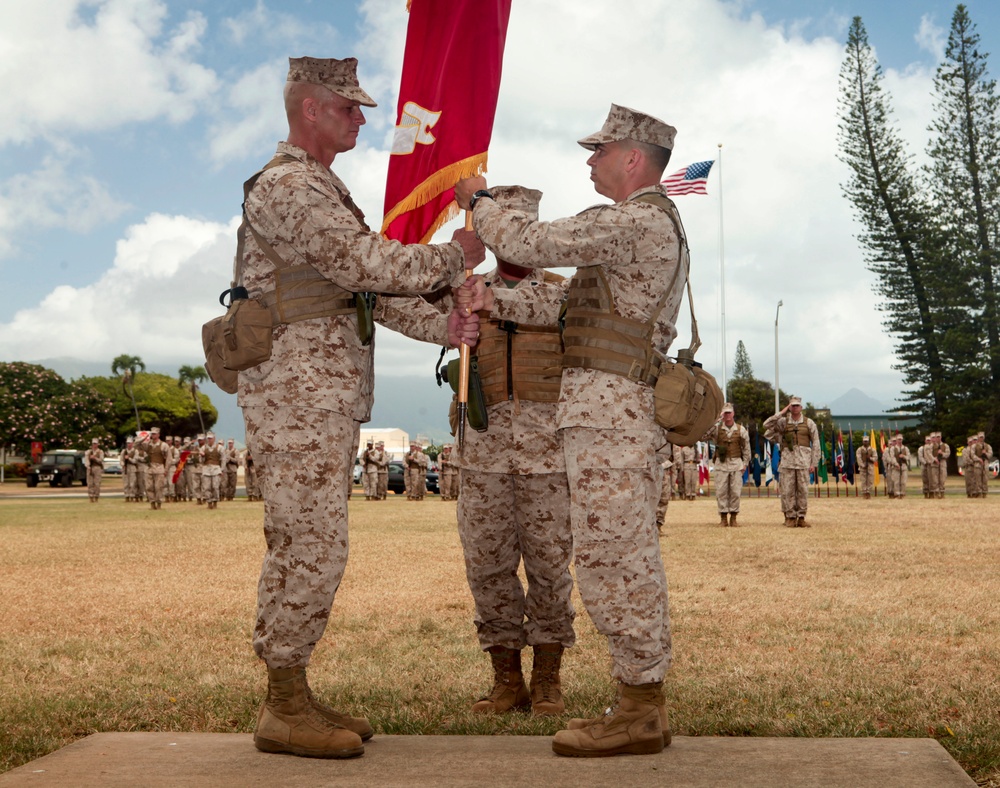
x: 728, y: 408
x: 795, y: 401
x: 628, y: 124
x: 340, y: 76
x: 94, y: 441
x: 155, y: 431
x: 518, y: 198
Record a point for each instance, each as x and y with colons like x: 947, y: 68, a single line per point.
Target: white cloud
x: 69, y: 66
x: 52, y: 196
x: 163, y: 284
x: 931, y: 38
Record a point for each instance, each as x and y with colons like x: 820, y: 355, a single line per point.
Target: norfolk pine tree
x: 897, y: 231
x: 963, y: 176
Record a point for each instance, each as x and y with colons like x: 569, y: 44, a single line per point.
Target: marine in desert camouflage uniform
x: 926, y: 468
x: 513, y: 502
x: 941, y: 451
x: 383, y: 471
x: 628, y: 258
x: 230, y: 470
x: 982, y: 455
x: 369, y: 470
x: 732, y: 455
x: 800, y: 453
x: 415, y: 464
x: 448, y: 474
x: 867, y: 460
x: 157, y: 454
x: 666, y: 492
x: 93, y: 459
x: 303, y: 407
x: 213, y: 455
x: 899, y: 466
x: 130, y: 471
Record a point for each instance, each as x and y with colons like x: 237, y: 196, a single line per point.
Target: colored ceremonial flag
x: 849, y: 458
x: 821, y: 471
x: 447, y: 100
x: 180, y: 466
x: 881, y: 450
x: 775, y: 461
x: 693, y: 179
x: 873, y: 444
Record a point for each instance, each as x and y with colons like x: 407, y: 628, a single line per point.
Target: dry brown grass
x: 881, y: 620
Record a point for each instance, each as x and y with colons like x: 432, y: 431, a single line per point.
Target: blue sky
x: 128, y: 126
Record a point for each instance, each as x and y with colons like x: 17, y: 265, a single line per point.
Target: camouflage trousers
x: 866, y: 479
x: 211, y: 485
x: 900, y: 474
x: 504, y: 519
x: 416, y: 483
x: 130, y: 485
x: 383, y: 484
x: 156, y: 482
x: 303, y: 458
x: 614, y: 484
x: 228, y: 490
x: 369, y: 481
x: 181, y: 486
x: 728, y: 490
x: 939, y: 476
x: 448, y: 482
x: 794, y: 485
x: 665, y: 492
x: 690, y: 480
x: 94, y: 475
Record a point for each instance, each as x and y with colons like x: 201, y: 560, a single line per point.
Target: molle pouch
x: 365, y: 304
x: 476, y: 413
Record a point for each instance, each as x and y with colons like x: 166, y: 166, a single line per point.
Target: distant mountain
x: 856, y: 403
x: 411, y: 403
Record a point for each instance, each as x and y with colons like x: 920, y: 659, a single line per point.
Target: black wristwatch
x: 476, y: 196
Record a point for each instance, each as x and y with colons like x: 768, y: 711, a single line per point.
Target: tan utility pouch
x: 686, y: 398
x: 237, y: 340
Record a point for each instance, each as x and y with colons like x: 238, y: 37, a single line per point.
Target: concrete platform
x: 229, y: 759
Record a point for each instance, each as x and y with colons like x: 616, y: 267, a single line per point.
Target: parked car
x: 357, y: 471
x: 396, y: 484
x: 60, y: 468
x: 113, y: 464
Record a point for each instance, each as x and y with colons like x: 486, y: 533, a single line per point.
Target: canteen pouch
x: 476, y: 412
x: 212, y: 341
x: 687, y: 400
x: 365, y: 305
x: 237, y: 340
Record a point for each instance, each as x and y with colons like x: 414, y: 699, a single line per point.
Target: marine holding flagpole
x: 626, y: 254
x: 306, y: 254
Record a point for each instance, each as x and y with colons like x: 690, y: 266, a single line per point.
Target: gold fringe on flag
x: 439, y: 182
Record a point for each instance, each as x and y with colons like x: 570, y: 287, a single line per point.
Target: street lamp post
x: 776, y: 387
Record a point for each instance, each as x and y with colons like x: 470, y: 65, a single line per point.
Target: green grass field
x: 881, y: 620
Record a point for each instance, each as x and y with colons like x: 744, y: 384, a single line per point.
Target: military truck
x: 60, y: 468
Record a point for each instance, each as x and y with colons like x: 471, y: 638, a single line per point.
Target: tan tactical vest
x: 301, y: 292
x: 156, y: 454
x: 597, y: 337
x: 732, y: 444
x: 213, y: 455
x: 519, y: 362
x: 796, y: 434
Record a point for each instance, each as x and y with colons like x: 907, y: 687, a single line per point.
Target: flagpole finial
x: 720, y: 146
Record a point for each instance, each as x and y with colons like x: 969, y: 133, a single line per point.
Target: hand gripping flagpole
x: 464, y: 361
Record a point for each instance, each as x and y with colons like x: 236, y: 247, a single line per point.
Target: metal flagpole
x: 722, y: 280
x: 463, y: 368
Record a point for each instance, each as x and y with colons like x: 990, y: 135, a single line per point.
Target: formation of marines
x: 175, y: 469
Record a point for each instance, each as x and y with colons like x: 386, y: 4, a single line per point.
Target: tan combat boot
x: 790, y: 522
x: 732, y: 520
x: 803, y: 524
x: 546, y: 691
x: 288, y: 722
x: 723, y: 520
x: 359, y: 725
x: 632, y: 727
x: 661, y: 702
x: 508, y: 691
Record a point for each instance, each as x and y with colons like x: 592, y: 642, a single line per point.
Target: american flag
x: 690, y: 180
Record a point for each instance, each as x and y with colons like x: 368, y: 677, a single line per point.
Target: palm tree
x: 191, y: 377
x: 128, y: 367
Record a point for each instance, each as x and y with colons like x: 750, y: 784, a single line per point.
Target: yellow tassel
x: 437, y: 183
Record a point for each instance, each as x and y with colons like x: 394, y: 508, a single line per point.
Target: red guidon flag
x: 444, y: 119
x: 180, y: 466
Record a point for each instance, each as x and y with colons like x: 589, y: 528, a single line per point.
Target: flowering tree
x: 38, y: 405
